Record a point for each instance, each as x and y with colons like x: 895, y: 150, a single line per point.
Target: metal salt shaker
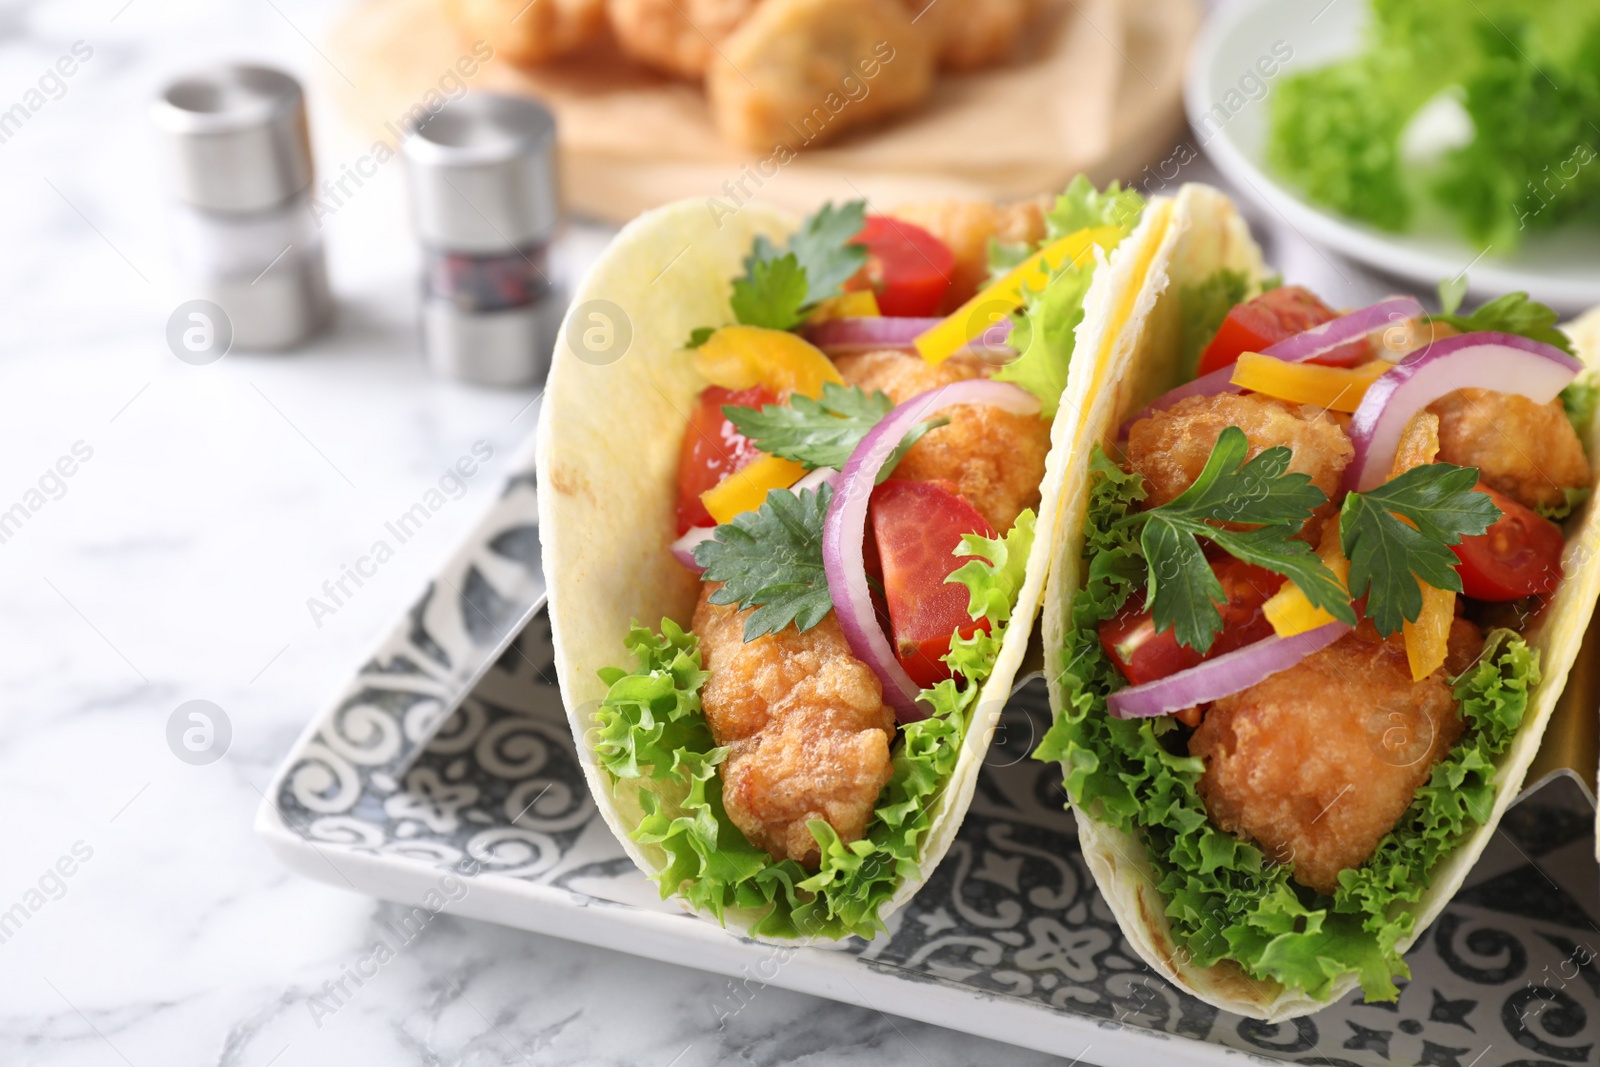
x: 238, y: 153
x: 484, y: 201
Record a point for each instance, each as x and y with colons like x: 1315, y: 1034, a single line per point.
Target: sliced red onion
x: 1229, y: 673
x: 683, y: 547
x: 1503, y: 362
x: 847, y: 336
x: 845, y: 527
x: 1301, y: 348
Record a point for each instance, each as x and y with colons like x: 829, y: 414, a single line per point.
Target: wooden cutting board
x: 1099, y: 92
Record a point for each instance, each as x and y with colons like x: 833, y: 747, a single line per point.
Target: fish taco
x: 798, y: 483
x: 1316, y: 589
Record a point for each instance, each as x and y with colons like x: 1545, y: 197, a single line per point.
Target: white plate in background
x: 1236, y: 48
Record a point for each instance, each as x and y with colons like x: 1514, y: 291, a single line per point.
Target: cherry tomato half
x: 1143, y: 655
x: 908, y: 269
x: 1273, y: 316
x: 712, y: 449
x: 918, y: 527
x: 1520, y: 555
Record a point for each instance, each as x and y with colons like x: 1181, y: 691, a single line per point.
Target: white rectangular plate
x: 1009, y: 938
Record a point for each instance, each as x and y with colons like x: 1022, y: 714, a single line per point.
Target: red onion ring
x: 683, y: 548
x: 1317, y: 341
x: 848, y: 336
x: 1229, y: 673
x: 1504, y: 362
x: 845, y: 526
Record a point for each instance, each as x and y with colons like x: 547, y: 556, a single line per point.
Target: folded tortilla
x: 1207, y: 235
x: 613, y: 416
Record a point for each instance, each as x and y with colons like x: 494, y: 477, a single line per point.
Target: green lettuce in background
x: 1525, y: 72
x: 1224, y: 899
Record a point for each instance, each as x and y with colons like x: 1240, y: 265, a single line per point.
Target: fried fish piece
x: 1528, y: 451
x: 798, y: 73
x: 807, y: 725
x: 526, y: 33
x: 973, y: 33
x: 994, y: 459
x: 1170, y: 448
x: 676, y: 36
x: 966, y: 227
x: 1317, y: 763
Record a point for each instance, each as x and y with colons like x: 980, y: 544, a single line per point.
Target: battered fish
x: 967, y: 226
x: 1170, y: 448
x: 1528, y: 451
x: 807, y: 725
x: 676, y: 36
x: 798, y: 73
x: 994, y: 459
x: 1317, y: 763
x: 530, y: 33
x: 973, y: 33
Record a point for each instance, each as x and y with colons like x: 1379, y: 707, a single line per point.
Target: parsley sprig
x: 771, y: 559
x: 1388, y: 555
x: 1182, y: 590
x: 781, y: 286
x: 823, y: 431
x: 1511, y: 313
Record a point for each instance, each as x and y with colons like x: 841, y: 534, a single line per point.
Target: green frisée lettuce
x: 1044, y: 332
x: 651, y: 737
x: 1224, y: 898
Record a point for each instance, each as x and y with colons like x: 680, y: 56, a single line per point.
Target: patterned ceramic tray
x: 1009, y: 939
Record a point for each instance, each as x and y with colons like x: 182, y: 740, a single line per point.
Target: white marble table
x: 176, y: 563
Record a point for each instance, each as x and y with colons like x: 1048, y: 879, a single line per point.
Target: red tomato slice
x: 712, y: 449
x: 1271, y: 317
x: 1520, y: 555
x: 1143, y: 655
x: 918, y: 527
x: 908, y: 269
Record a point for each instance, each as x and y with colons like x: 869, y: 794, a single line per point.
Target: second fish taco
x: 1316, y: 593
x: 795, y: 530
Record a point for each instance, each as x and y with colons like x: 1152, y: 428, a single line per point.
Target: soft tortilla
x: 608, y: 451
x: 1207, y: 235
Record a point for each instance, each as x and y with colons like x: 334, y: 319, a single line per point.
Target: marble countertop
x: 206, y: 505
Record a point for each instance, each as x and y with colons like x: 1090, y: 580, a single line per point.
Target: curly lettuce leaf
x: 1201, y: 309
x: 651, y: 734
x: 1225, y: 900
x: 1044, y: 332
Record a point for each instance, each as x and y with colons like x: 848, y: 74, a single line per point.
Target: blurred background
x: 172, y: 503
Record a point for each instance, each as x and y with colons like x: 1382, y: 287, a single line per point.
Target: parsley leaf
x: 1183, y: 591
x: 1513, y: 313
x: 813, y: 432
x: 699, y: 336
x: 1388, y: 556
x: 822, y: 247
x: 771, y: 559
x: 771, y: 294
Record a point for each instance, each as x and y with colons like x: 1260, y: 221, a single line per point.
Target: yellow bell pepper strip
x: 1331, y: 388
x: 746, y: 489
x: 857, y: 304
x: 968, y: 322
x: 1289, y: 611
x: 740, y: 357
x: 1427, y: 639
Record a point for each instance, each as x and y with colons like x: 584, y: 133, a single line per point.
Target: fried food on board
x: 994, y: 459
x: 530, y: 33
x: 1528, y: 451
x: 807, y: 724
x: 676, y: 36
x: 799, y: 73
x: 970, y: 34
x: 1317, y: 763
x: 967, y: 226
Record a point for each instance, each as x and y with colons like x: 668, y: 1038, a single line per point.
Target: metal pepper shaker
x: 238, y: 154
x: 485, y: 205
